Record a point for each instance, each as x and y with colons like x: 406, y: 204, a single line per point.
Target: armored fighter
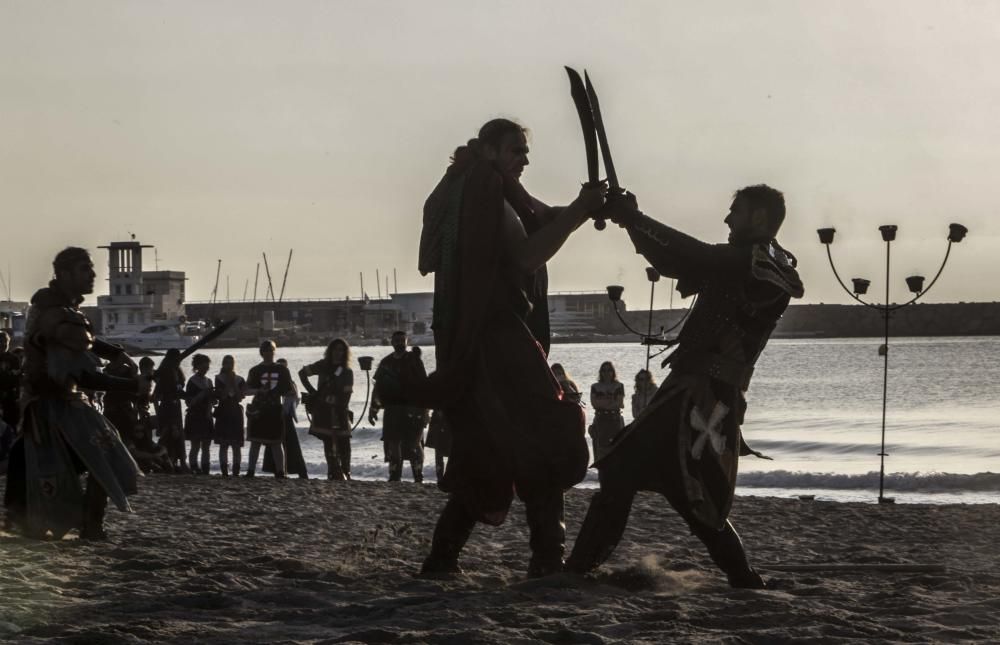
x: 687, y: 442
x: 61, y: 434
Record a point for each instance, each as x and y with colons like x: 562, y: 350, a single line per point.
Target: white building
x: 137, y: 298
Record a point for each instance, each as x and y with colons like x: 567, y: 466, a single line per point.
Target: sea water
x: 815, y: 408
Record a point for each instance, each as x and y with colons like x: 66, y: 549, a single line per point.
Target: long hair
x: 610, y: 366
x: 328, y: 354
x: 649, y: 383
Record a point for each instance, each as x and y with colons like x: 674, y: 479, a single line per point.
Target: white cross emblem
x: 269, y: 380
x: 709, y: 430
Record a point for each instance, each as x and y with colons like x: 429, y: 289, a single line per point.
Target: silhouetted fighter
x: 686, y: 443
x: 487, y: 241
x: 62, y: 435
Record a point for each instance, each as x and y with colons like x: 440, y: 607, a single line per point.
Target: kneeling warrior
x: 62, y: 435
x: 686, y: 443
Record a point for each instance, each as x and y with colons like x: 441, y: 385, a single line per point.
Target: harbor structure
x: 136, y: 298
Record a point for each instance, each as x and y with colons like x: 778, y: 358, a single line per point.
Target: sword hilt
x: 614, y: 192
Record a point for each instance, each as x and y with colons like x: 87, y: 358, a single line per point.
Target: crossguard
x: 616, y: 192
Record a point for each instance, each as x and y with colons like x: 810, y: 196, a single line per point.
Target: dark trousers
x: 633, y: 468
x: 278, y: 450
x: 398, y: 451
x: 224, y: 458
x: 204, y: 445
x: 338, y: 457
x: 547, y: 534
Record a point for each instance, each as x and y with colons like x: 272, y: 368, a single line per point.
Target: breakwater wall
x: 847, y: 321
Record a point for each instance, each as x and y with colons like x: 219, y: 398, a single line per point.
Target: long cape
x: 469, y: 203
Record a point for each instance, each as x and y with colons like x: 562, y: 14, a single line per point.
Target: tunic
x: 167, y: 401
x: 400, y: 422
x: 328, y: 407
x: 606, y: 399
x: 265, y: 415
x: 687, y: 442
x: 198, y: 421
x: 229, y: 412
x: 62, y: 434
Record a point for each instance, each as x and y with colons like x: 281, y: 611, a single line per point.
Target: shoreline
x: 309, y: 561
x: 592, y: 339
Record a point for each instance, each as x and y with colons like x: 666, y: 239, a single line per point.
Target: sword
x: 586, y: 114
x: 609, y: 165
x: 207, y: 338
x: 168, y: 362
x: 588, y: 108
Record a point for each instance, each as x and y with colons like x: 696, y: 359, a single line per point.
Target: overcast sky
x: 227, y: 129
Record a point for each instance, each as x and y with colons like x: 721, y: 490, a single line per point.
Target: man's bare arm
x: 530, y: 253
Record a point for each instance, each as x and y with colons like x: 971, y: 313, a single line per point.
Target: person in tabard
x: 267, y: 382
x: 687, y: 442
x: 295, y: 462
x: 329, y: 406
x: 402, y: 425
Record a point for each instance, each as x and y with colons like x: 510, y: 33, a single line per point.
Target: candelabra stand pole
x: 885, y: 377
x: 649, y: 325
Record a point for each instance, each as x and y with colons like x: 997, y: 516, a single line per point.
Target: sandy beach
x: 213, y: 560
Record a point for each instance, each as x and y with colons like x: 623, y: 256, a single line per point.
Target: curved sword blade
x: 602, y: 137
x: 207, y: 338
x: 583, y: 110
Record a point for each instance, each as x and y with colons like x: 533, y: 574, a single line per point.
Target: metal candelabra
x: 647, y: 339
x: 956, y: 232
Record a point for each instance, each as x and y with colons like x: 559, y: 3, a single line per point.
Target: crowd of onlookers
x: 607, y: 398
x: 173, y: 425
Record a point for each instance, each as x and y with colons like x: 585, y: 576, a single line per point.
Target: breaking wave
x: 922, y: 482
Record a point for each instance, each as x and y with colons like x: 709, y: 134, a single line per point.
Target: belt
x: 727, y: 370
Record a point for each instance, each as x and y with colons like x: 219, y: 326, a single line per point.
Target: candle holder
x: 956, y: 233
x: 648, y: 339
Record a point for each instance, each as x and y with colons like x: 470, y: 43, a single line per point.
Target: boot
x: 450, y: 534
x: 95, y: 504
x: 395, y: 471
x: 418, y: 472
x: 333, y: 469
x: 548, y: 534
x: 439, y: 466
x: 345, y: 466
x: 601, y: 531
x: 727, y: 552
